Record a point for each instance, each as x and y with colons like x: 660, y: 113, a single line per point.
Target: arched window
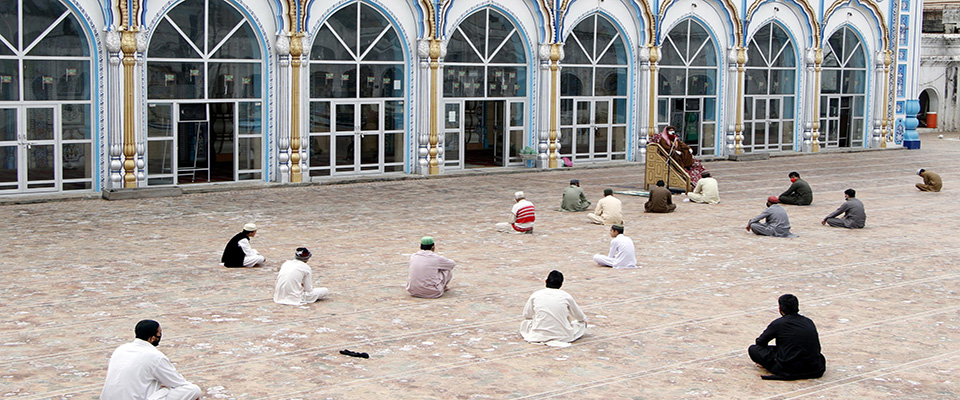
x: 593, y: 92
x: 770, y: 91
x: 357, y: 84
x: 484, y: 86
x: 204, y: 96
x: 687, y: 94
x: 843, y: 90
x: 46, y: 112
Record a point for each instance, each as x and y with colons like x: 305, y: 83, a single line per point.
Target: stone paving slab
x: 77, y: 276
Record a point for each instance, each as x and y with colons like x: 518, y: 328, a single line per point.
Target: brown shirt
x: 933, y: 180
x: 661, y: 201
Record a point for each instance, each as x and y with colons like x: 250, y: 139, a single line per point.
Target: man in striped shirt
x: 522, y: 218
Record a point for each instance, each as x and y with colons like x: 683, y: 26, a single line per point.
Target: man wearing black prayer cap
x: 573, y: 198
x: 295, y: 281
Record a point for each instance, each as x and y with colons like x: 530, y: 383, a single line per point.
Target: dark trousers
x: 793, y: 200
x: 765, y: 356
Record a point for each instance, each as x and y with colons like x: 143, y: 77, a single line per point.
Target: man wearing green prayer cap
x: 429, y: 272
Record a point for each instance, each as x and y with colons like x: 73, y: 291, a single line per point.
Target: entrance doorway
x: 483, y: 133
x: 841, y: 121
x: 203, y: 142
x: 205, y: 137
x: 28, y: 149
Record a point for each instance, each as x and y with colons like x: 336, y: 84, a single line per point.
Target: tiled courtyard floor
x: 77, y: 276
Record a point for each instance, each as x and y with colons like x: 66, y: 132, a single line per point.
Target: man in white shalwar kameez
x: 295, y: 281
x: 622, y: 253
x: 552, y: 316
x: 138, y: 371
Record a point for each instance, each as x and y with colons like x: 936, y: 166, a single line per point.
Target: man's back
x: 136, y: 370
x: 232, y: 253
x: 292, y: 279
x: 611, y: 210
x: 552, y: 314
x: 932, y: 179
x: 574, y: 199
x: 426, y: 273
x: 710, y: 190
x: 623, y: 252
x: 854, y: 212
x: 660, y: 200
x: 525, y: 215
x: 798, y: 345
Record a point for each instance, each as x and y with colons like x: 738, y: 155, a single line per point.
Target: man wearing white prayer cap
x: 238, y: 252
x: 522, y: 216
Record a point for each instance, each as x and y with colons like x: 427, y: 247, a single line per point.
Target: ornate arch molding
x: 729, y: 10
x: 801, y: 5
x: 533, y: 6
x: 642, y: 8
x: 241, y: 6
x: 294, y: 15
x: 391, y: 18
x: 873, y: 10
x: 428, y: 18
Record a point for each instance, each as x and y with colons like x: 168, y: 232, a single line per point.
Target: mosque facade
x: 100, y: 95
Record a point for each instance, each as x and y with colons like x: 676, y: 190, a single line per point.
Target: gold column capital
x: 654, y: 54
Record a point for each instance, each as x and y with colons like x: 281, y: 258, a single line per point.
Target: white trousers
x: 315, y: 294
x: 696, y: 198
x: 185, y: 392
x: 506, y: 227
x: 603, y: 260
x: 253, y: 261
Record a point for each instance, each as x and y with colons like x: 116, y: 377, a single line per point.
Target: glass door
x: 358, y: 130
x: 9, y: 150
x: 450, y: 140
x: 29, y: 149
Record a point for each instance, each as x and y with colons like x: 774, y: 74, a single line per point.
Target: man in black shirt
x: 797, y: 352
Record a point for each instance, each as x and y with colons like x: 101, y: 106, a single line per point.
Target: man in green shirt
x: 799, y: 192
x: 573, y: 198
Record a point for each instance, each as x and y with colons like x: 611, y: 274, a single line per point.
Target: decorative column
x: 644, y: 121
x: 654, y: 55
x: 434, y: 138
x: 423, y: 125
x: 543, y: 138
x: 296, y: 53
x: 128, y: 44
x: 553, y: 146
x: 283, y: 117
x: 817, y: 67
x: 114, y: 131
x: 738, y: 138
x: 879, y: 108
x: 140, y: 136
x: 885, y: 122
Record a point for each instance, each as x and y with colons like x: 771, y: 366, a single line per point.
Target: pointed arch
x: 799, y: 7
x: 642, y: 13
x: 727, y: 9
x: 870, y: 9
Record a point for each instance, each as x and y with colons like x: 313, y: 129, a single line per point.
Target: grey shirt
x: 776, y: 217
x: 853, y: 214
